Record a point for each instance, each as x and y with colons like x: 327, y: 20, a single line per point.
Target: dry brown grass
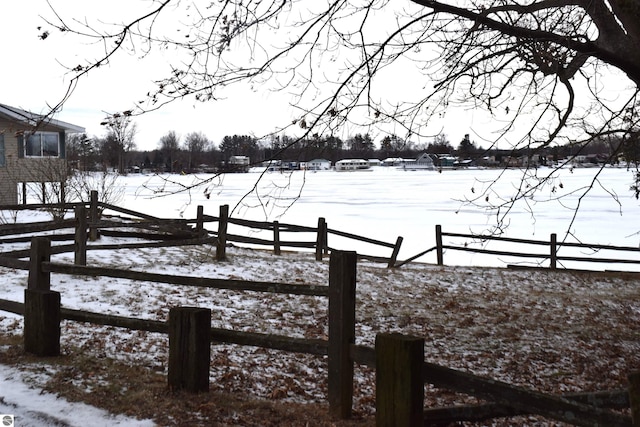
x: 142, y: 393
x: 554, y: 332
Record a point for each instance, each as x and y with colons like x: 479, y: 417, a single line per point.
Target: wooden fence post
x: 321, y: 238
x: 189, y: 348
x: 634, y: 397
x: 394, y: 254
x: 342, y: 331
x: 40, y: 252
x: 221, y: 248
x: 93, y: 216
x: 276, y: 238
x: 42, y: 322
x: 200, y: 220
x: 554, y: 251
x: 80, y: 247
x: 439, y: 252
x: 399, y: 382
x: 41, y: 304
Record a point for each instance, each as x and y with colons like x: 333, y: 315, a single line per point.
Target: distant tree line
x: 195, y: 152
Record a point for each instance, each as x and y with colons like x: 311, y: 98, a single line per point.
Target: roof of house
x: 33, y: 119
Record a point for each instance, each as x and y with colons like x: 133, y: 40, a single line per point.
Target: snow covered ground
x: 29, y: 406
x: 554, y: 332
x: 389, y: 202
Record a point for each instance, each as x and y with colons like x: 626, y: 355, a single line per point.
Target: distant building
x: 32, y: 149
x: 393, y: 161
x: 348, y: 165
x: 318, y: 165
x: 424, y: 162
x: 239, y: 164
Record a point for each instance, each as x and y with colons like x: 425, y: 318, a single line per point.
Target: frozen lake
x: 386, y: 203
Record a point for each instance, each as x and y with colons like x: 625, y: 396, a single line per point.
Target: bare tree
x: 169, y: 145
x: 539, y: 69
x: 195, y: 143
x: 120, y: 139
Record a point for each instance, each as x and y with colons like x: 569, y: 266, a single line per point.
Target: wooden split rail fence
x: 401, y: 371
x: 90, y: 225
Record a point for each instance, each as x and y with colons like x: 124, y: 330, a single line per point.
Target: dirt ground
x: 553, y: 332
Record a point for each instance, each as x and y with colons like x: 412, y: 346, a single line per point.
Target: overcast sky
x: 34, y: 77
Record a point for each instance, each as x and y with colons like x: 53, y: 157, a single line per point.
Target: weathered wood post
x: 394, y: 254
x: 200, y: 221
x: 342, y: 331
x: 80, y: 246
x: 223, y: 222
x: 553, y: 258
x: 189, y: 348
x: 63, y: 192
x: 321, y: 238
x: 93, y: 216
x: 399, y: 382
x: 276, y: 238
x: 41, y: 305
x: 439, y: 251
x: 40, y: 252
x: 634, y: 397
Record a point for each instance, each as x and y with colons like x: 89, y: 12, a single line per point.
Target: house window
x: 3, y: 161
x: 42, y: 144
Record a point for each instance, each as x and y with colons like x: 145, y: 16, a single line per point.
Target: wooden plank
x: 94, y: 216
x: 221, y: 247
x: 148, y: 236
x: 237, y: 285
x: 80, y: 250
x: 439, y: 247
x: 553, y: 407
x: 475, y: 413
x: 117, y: 321
x: 189, y: 349
x: 12, y: 306
x: 40, y: 252
x: 256, y: 339
x: 276, y: 238
x: 36, y: 227
x: 492, y: 252
x: 413, y: 258
x: 394, y: 254
x: 576, y: 412
x: 399, y: 384
x: 42, y: 322
x: 14, y: 263
x: 361, y: 238
x: 321, y: 242
x: 107, y: 206
x: 342, y: 307
x: 553, y: 251
x: 52, y: 237
x: 264, y: 242
x: 500, y: 238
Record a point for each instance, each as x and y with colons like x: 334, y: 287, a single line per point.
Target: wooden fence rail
x: 192, y: 231
x: 399, y: 360
x: 552, y: 253
x: 185, y: 231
